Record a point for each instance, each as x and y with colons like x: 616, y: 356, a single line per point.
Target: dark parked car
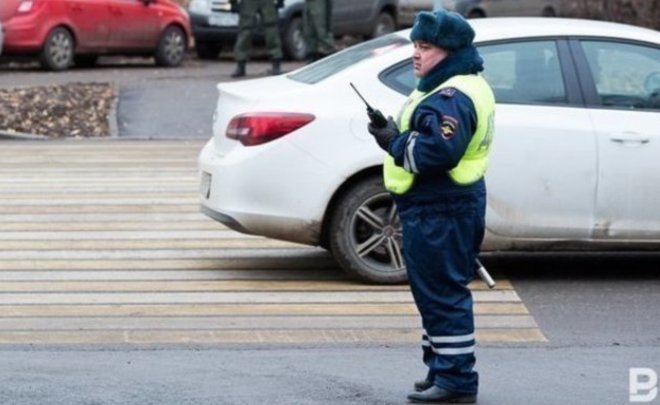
x: 481, y: 8
x: 63, y: 32
x: 215, y: 26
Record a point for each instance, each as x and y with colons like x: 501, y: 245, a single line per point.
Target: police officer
x: 317, y: 20
x: 434, y: 167
x: 248, y: 10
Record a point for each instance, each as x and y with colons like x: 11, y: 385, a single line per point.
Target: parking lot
x: 153, y: 102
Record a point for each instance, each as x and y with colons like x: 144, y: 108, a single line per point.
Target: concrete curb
x: 113, y: 127
x: 4, y: 134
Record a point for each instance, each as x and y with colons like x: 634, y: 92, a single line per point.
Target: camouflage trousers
x: 318, y: 28
x: 249, y: 9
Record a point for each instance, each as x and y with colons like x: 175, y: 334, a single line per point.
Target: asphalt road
x: 598, y: 314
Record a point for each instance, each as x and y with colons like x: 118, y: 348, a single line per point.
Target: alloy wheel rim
x: 376, y: 235
x: 299, y: 44
x: 174, y: 46
x: 384, y: 28
x: 60, y: 49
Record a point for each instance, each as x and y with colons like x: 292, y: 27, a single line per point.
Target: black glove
x: 279, y: 3
x: 385, y: 134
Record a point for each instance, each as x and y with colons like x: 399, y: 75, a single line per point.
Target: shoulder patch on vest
x: 448, y: 92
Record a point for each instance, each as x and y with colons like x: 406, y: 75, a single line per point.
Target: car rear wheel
x: 365, y: 234
x: 476, y: 14
x: 207, y: 50
x: 384, y: 25
x: 294, y: 40
x: 172, y: 47
x: 549, y: 12
x: 57, y: 51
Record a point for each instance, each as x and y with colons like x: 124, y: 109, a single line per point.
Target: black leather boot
x: 422, y: 385
x: 240, y: 69
x: 443, y: 396
x: 277, y: 67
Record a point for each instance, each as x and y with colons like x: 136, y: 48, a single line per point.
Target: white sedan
x: 575, y: 163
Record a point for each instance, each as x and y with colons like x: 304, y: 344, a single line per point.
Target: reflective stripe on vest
x: 472, y: 165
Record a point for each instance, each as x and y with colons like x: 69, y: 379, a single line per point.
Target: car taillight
x: 26, y: 6
x: 261, y: 127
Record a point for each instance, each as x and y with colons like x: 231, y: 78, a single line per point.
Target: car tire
x: 385, y: 24
x: 549, y: 12
x: 476, y: 14
x: 172, y: 47
x: 85, y: 61
x: 207, y: 50
x: 294, y: 40
x: 365, y: 234
x: 58, y: 50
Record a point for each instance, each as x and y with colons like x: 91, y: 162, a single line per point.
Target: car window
x: 336, y: 63
x: 524, y: 72
x: 625, y: 75
x: 400, y: 77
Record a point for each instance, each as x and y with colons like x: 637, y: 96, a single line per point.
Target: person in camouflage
x: 317, y: 28
x: 248, y: 10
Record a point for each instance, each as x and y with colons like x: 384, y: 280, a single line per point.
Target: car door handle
x: 630, y: 138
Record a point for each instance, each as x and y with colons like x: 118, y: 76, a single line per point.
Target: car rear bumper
x: 202, y: 31
x: 22, y: 39
x: 259, y: 193
x: 23, y: 35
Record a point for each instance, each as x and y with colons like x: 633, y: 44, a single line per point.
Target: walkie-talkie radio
x: 375, y: 116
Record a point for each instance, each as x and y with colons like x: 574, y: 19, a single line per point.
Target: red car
x: 66, y: 32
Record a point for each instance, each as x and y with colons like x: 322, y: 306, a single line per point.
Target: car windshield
x: 336, y: 63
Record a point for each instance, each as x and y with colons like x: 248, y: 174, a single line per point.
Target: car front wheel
x: 294, y: 44
x: 384, y: 25
x: 171, y: 47
x: 365, y: 234
x: 549, y: 12
x: 57, y: 52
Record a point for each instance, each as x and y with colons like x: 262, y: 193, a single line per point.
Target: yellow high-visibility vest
x: 474, y: 162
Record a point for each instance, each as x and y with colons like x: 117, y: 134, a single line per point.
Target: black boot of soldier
x: 277, y: 67
x: 240, y: 69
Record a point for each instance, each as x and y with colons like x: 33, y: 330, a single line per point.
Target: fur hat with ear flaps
x: 444, y: 29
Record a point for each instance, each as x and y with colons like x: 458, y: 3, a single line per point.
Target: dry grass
x: 78, y: 110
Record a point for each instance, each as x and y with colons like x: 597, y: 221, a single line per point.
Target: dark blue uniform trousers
x: 440, y: 243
